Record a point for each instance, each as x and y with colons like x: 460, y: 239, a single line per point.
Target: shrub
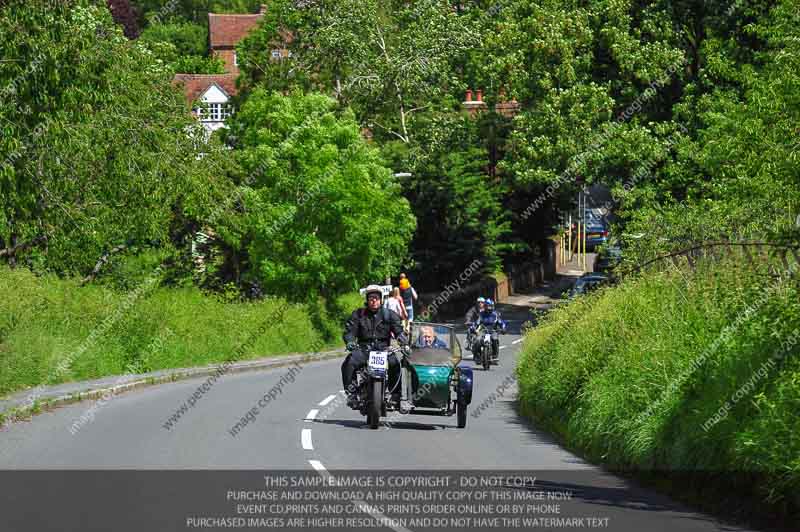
x: 679, y: 371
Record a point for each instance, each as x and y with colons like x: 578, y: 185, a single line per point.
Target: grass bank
x: 689, y: 378
x: 52, y: 330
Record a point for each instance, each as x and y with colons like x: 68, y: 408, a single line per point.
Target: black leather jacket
x: 367, y: 328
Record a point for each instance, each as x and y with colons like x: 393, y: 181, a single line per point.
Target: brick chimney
x: 505, y: 108
x: 473, y: 106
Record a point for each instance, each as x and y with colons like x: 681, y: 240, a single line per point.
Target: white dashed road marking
x: 305, y: 439
x: 327, y: 400
x: 317, y: 465
x: 517, y: 341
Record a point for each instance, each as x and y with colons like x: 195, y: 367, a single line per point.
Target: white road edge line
x: 305, y: 439
x: 517, y: 341
x: 503, y: 346
x: 312, y: 414
x: 327, y: 400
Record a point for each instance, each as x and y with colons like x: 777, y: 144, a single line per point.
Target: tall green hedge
x: 681, y: 371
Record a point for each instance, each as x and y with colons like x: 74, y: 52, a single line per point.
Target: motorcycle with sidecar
x: 431, y: 381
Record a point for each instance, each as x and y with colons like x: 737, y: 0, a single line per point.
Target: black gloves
x: 351, y: 346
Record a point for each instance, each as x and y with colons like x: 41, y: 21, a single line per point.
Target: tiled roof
x: 195, y: 85
x: 227, y: 30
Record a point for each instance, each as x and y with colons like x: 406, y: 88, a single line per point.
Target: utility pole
x: 582, y: 230
x: 583, y: 233
x: 569, y: 236
x: 581, y: 215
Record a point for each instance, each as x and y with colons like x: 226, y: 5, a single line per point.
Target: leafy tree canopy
x: 321, y: 214
x: 97, y: 143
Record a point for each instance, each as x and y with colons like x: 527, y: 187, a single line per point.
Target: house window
x: 213, y: 112
x: 235, y: 60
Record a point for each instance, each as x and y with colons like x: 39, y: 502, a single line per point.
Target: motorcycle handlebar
x: 389, y: 348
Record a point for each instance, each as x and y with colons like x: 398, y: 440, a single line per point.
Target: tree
x: 745, y: 148
x: 387, y: 62
x: 99, y: 155
x: 196, y: 11
x: 125, y: 16
x: 320, y: 213
x: 182, y: 46
x: 187, y: 38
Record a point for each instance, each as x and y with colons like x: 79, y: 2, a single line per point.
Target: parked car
x: 586, y: 283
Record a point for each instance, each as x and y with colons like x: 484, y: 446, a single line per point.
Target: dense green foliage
x: 396, y: 65
x: 187, y: 38
x: 321, y: 213
x: 459, y: 207
x: 634, y: 375
x: 196, y: 11
x: 687, y: 111
x: 94, y: 139
x: 386, y: 62
x: 649, y: 99
x: 105, y: 164
x: 745, y: 152
x: 45, y: 320
x: 182, y: 46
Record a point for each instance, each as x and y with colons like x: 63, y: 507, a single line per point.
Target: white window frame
x: 213, y: 112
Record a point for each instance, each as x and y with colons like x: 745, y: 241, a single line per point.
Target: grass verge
x: 688, y: 378
x: 52, y: 330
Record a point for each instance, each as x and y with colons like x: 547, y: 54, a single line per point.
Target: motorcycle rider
x: 370, y: 327
x: 472, y: 315
x: 491, y: 321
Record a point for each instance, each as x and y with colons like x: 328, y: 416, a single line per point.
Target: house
x: 210, y: 94
x: 214, y: 92
x: 225, y: 32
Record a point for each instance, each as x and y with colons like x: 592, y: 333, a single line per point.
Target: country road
x: 307, y: 427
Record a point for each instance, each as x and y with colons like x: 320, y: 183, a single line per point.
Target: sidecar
x: 434, y: 381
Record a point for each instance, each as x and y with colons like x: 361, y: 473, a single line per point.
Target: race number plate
x: 378, y: 360
x: 487, y: 338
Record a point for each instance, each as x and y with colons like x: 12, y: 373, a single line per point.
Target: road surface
x: 307, y: 427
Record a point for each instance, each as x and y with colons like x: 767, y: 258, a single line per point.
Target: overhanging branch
x: 13, y: 250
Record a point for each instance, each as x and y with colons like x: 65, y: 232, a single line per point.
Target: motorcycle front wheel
x: 375, y: 404
x: 486, y: 358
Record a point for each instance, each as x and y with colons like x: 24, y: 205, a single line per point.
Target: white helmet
x: 372, y: 289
